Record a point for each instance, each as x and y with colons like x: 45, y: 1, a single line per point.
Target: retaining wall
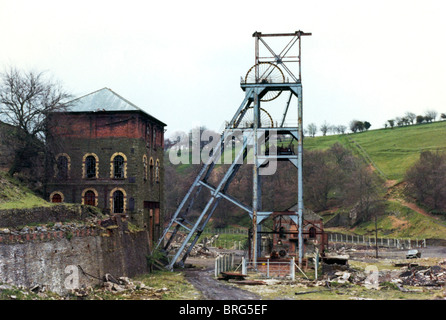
x: 56, y: 213
x: 60, y: 261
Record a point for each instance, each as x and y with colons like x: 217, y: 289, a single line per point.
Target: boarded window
x: 132, y: 204
x: 56, y: 198
x: 90, y: 198
x: 62, y: 167
x: 157, y: 171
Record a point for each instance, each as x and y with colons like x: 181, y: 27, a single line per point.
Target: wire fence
x: 225, y: 231
x: 397, y: 243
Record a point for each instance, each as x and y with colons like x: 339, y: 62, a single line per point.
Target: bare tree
x: 312, y: 129
x: 325, y: 127
x: 342, y: 129
x: 410, y: 116
x: 430, y: 115
x: 26, y: 99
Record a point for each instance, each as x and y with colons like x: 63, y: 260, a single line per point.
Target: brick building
x: 285, y: 241
x: 108, y: 153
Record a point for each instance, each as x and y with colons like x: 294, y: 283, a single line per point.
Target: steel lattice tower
x: 264, y: 82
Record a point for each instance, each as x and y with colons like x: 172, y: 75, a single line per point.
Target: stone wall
x: 60, y: 261
x: 56, y: 213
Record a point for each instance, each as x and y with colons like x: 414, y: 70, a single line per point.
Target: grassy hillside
x: 391, y: 151
x: 400, y: 221
x: 14, y: 195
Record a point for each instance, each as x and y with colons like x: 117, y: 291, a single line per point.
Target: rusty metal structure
x: 274, y: 73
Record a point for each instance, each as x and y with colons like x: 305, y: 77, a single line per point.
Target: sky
x: 181, y: 61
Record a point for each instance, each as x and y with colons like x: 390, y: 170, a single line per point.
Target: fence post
x: 316, y: 262
x: 267, y: 268
x: 216, y: 267
x: 243, y: 265
x: 292, y: 269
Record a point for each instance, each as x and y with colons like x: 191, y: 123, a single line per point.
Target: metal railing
x: 224, y: 263
x: 271, y: 268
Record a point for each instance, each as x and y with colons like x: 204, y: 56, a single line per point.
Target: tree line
x: 332, y: 178
x: 426, y: 180
x: 410, y: 118
x: 326, y: 128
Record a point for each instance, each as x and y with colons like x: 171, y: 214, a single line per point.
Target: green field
x: 391, y: 151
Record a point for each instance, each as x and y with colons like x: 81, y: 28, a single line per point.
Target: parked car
x: 413, y: 254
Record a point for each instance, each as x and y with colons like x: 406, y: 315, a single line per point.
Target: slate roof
x: 308, y: 214
x: 103, y: 100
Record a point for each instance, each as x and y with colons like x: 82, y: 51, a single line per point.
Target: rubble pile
x: 122, y: 286
x: 200, y: 250
x: 408, y: 275
x: 423, y: 276
x: 71, y: 226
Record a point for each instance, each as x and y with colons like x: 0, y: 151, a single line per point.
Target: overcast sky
x: 181, y: 61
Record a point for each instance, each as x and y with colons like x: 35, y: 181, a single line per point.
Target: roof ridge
x: 122, y: 98
x: 86, y: 95
x: 104, y: 99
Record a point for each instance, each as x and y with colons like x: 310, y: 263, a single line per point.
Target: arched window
x: 282, y: 234
x: 56, y: 197
x: 90, y: 198
x: 157, y: 171
x: 151, y: 169
x: 118, y: 202
x: 312, y: 233
x: 62, y: 167
x: 118, y: 163
x: 90, y: 167
x: 118, y: 166
x: 145, y: 164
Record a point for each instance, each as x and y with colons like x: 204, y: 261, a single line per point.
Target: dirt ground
x: 211, y: 289
x: 201, y: 276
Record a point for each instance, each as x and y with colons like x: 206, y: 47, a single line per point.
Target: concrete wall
x: 52, y: 259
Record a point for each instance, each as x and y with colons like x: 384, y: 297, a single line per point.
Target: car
x: 413, y: 254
